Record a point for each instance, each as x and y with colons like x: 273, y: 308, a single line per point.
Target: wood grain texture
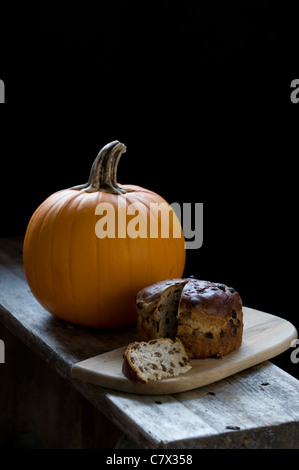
x: 207, y: 417
x: 247, y: 410
x: 265, y: 336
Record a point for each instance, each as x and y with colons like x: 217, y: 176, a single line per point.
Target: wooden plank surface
x: 265, y: 336
x: 240, y: 411
x: 246, y: 410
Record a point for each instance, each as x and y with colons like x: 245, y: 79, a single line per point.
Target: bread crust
x: 210, y: 317
x: 151, y: 294
x: 147, y: 304
x: 128, y: 368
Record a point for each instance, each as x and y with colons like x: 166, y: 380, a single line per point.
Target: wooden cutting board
x: 264, y: 337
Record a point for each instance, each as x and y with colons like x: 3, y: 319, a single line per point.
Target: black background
x: 199, y: 94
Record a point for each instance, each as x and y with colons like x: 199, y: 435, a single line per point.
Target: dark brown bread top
x: 151, y: 294
x: 214, y: 301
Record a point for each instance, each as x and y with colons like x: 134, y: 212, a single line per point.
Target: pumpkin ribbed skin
x: 93, y: 281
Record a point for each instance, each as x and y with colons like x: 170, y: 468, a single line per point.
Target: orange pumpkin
x: 87, y: 273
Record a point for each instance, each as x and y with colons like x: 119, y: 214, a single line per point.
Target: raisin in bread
x: 207, y: 317
x: 155, y: 360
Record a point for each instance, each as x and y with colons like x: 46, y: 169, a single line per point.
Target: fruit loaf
x: 155, y: 360
x: 207, y: 317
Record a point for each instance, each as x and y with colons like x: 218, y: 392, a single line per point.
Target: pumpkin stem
x: 103, y: 173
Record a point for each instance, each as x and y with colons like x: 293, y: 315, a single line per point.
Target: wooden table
x: 257, y: 408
